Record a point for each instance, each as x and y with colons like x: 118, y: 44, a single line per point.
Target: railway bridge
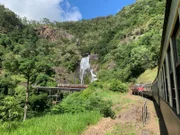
x: 56, y: 93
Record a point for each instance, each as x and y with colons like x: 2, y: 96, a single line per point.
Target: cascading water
x: 93, y: 76
x: 84, y: 67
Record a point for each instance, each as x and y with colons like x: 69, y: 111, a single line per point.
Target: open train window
x: 176, y: 45
x: 177, y: 54
x: 166, y: 83
x: 172, y: 89
x: 177, y: 48
x: 169, y: 60
x: 162, y: 84
x: 178, y: 78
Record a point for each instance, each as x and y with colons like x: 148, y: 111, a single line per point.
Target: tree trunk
x: 27, y: 100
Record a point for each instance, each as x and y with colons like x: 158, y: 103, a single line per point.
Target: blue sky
x: 65, y: 10
x: 95, y: 8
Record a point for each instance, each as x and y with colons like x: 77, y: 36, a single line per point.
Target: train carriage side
x: 155, y: 91
x: 147, y: 90
x: 166, y: 87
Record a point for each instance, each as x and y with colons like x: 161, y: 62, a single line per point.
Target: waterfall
x: 84, y: 67
x: 93, y: 76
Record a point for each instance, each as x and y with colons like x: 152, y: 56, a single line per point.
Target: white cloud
x: 38, y: 9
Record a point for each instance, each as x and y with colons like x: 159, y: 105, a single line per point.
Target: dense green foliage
x: 46, y: 54
x: 10, y: 109
x: 25, y: 55
x: 117, y: 85
x: 9, y: 21
x: 87, y: 100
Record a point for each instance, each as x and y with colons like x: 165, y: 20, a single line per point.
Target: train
x: 165, y: 89
x: 142, y: 89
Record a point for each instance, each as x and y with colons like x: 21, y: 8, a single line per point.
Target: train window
x: 167, y: 92
x: 173, y: 91
x: 178, y: 47
x: 169, y: 60
x: 168, y: 81
x: 177, y: 55
x: 176, y: 39
x: 162, y: 86
x: 165, y: 83
x: 171, y: 78
x: 178, y: 78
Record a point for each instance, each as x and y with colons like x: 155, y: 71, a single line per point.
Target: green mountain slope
x: 9, y: 21
x: 127, y: 43
x: 48, y: 53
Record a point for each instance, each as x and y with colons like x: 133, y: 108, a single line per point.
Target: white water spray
x: 93, y: 76
x: 84, y: 67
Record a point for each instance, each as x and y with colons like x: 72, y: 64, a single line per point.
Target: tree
x: 24, y: 64
x: 46, y: 21
x: 27, y: 68
x: 30, y: 63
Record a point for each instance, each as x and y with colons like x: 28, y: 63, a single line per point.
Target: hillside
x: 127, y: 42
x: 49, y: 53
x: 148, y: 76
